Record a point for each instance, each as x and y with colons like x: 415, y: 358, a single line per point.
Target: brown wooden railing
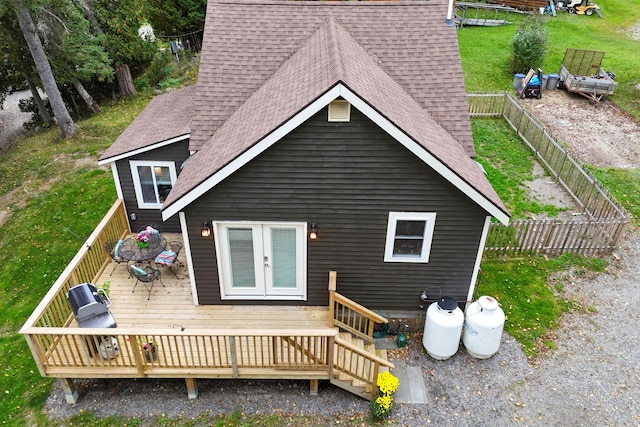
x: 349, y: 315
x: 88, y: 352
x: 85, y: 267
x: 603, y: 222
x: 359, y: 365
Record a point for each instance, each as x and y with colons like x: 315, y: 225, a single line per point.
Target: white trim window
x: 152, y: 180
x: 261, y: 260
x: 409, y: 236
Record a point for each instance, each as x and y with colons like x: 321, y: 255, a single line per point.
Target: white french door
x: 261, y: 260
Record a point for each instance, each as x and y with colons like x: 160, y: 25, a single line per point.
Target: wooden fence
x: 603, y: 222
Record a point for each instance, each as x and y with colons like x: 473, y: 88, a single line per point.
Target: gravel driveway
x: 11, y: 118
x: 592, y: 379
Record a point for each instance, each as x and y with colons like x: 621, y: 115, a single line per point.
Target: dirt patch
x: 595, y: 133
x: 547, y: 191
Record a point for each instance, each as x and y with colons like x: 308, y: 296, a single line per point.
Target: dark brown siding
x: 178, y: 153
x: 346, y: 177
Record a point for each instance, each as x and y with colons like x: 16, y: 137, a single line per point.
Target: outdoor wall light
x: 313, y: 235
x: 206, y: 229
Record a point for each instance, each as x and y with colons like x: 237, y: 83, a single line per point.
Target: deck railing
x: 349, y: 315
x: 85, y: 267
x: 603, y: 222
x: 139, y: 352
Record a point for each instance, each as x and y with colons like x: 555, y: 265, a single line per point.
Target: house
x: 345, y: 119
x: 323, y: 140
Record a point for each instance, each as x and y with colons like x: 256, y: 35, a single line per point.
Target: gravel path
x: 592, y: 379
x: 11, y: 118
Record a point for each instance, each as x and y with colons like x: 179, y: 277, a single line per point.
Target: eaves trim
x: 144, y: 149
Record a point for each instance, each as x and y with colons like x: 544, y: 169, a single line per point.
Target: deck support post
x: 70, y: 392
x: 192, y: 388
x: 313, y: 387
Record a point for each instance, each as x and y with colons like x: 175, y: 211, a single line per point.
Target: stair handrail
x: 355, y: 369
x: 349, y: 315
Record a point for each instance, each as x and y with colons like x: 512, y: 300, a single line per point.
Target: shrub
x: 529, y: 44
x: 382, y: 404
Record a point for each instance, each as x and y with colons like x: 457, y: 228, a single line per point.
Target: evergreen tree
x: 119, y: 21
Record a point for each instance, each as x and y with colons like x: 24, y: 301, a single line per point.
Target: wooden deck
x: 195, y: 341
x: 172, y: 306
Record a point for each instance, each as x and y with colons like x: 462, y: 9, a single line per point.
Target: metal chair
x: 168, y: 258
x: 113, y: 248
x: 146, y: 276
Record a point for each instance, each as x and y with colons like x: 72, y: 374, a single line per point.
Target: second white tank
x: 484, y: 321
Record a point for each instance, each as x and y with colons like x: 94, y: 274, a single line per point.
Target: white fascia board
x: 252, y: 152
x: 144, y: 149
x: 305, y: 114
x: 422, y: 154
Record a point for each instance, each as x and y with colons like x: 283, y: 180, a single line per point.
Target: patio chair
x: 168, y: 258
x: 146, y: 276
x: 113, y: 248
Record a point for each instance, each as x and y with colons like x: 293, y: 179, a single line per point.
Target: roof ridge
x: 335, y: 64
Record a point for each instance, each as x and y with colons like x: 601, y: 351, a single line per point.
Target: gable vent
x: 339, y: 111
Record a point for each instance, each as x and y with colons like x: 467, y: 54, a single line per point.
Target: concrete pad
x: 385, y: 343
x: 411, y: 389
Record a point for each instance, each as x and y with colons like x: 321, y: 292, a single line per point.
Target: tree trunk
x: 63, y: 118
x: 93, y: 106
x: 125, y: 81
x: 42, y: 108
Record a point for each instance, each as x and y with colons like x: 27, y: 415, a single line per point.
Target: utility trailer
x: 580, y: 73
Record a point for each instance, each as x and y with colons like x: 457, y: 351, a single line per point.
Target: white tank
x: 484, y: 321
x: 442, y: 328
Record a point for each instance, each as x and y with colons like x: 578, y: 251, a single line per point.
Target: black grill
x: 91, y: 310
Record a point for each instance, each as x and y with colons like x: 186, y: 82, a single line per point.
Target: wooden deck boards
x: 172, y: 306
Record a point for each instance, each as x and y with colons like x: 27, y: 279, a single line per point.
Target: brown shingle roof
x: 166, y: 117
x: 329, y: 56
x: 247, y: 41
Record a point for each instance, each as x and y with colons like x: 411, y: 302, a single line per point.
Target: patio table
x: 131, y: 250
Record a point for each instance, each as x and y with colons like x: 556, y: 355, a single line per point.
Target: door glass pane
x: 147, y: 184
x: 409, y: 237
x: 241, y: 256
x: 163, y: 181
x: 283, y: 251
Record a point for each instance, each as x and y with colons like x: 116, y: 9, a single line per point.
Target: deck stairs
x: 351, y: 367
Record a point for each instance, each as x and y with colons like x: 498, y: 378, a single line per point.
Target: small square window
x: 152, y: 182
x: 409, y: 236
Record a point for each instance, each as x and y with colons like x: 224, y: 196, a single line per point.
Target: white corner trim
x: 144, y: 149
x: 476, y: 268
x: 187, y: 253
x: 116, y: 180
